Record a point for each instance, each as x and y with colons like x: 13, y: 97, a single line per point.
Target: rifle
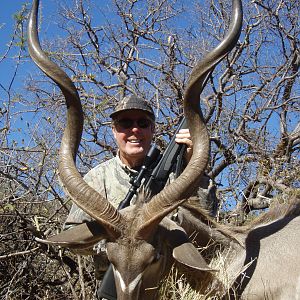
x: 151, y: 159
x: 171, y: 161
x: 160, y: 165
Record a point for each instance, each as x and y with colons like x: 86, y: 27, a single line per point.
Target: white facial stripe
x: 132, y: 285
x: 119, y: 277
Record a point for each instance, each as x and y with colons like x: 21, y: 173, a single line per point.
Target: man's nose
x: 135, y: 128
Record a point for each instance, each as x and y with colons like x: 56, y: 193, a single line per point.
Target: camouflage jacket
x: 111, y: 179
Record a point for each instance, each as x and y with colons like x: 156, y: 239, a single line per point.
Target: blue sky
x: 8, y: 62
x: 49, y: 29
x: 7, y: 24
x: 11, y: 86
x: 10, y: 7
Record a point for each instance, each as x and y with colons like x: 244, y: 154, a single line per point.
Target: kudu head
x: 136, y: 236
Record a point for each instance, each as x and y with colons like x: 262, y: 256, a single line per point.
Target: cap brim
x: 115, y: 113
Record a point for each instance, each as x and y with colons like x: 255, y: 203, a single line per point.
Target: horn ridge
x: 183, y: 186
x: 81, y: 193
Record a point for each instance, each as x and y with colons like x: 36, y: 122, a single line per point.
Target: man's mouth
x: 135, y: 141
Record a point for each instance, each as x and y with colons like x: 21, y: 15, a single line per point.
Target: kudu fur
x: 260, y: 260
x: 142, y: 240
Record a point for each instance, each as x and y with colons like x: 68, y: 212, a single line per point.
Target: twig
x: 81, y: 276
x: 19, y: 253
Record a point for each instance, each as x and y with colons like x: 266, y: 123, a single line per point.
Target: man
x: 133, y: 127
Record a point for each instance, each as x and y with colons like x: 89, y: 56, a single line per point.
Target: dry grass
x: 176, y: 286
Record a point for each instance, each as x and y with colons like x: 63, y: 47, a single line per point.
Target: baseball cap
x: 133, y: 102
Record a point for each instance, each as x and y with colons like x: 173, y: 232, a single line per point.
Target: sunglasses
x: 129, y: 123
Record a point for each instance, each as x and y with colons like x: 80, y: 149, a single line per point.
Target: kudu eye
x: 157, y: 256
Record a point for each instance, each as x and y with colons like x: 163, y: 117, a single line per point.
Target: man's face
x: 133, y: 131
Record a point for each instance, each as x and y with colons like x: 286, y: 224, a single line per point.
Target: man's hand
x: 184, y: 137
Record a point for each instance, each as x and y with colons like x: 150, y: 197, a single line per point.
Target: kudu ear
x: 79, y: 237
x: 184, y: 251
x: 188, y: 255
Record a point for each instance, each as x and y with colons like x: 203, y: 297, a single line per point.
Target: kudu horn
x: 174, y: 194
x: 81, y: 193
